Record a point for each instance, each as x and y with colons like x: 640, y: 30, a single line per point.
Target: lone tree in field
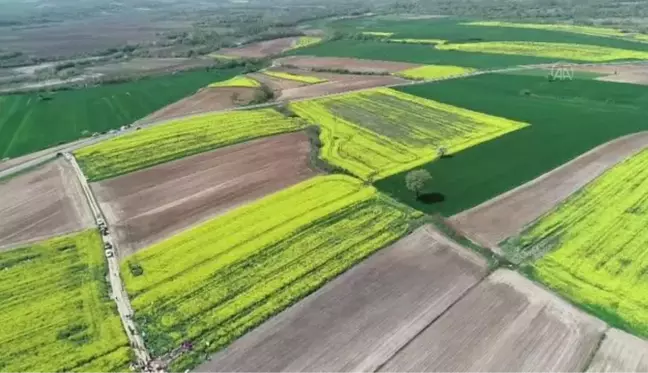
x: 416, y: 180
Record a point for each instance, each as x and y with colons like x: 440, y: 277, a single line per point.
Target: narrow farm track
x: 508, y: 214
x: 46, y: 155
x: 118, y: 291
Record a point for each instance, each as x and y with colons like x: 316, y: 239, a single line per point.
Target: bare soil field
x: 260, y: 49
x: 42, y: 203
x: 620, y: 352
x: 350, y: 64
x: 359, y: 320
x: 340, y: 84
x: 631, y: 73
x: 505, y: 324
x: 149, y: 205
x: 149, y: 65
x: 207, y: 99
x: 507, y: 215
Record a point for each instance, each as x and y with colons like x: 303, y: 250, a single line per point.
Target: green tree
x: 416, y: 181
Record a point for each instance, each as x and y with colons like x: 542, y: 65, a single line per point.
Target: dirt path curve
x: 508, y: 214
x: 118, y: 291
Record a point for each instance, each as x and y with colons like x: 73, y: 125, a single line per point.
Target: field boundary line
x: 475, y: 237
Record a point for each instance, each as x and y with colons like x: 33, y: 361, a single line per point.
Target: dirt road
x: 117, y: 287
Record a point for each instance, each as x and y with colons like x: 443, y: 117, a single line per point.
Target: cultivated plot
x: 179, y: 138
x: 595, y: 246
x: 346, y: 64
x: 505, y: 324
x: 377, y: 133
x: 206, y: 100
x: 237, y: 81
x: 56, y: 313
x: 560, y: 51
x: 149, y: 205
x: 260, y: 49
x: 507, y: 215
x: 428, y: 72
x: 35, y: 121
x: 585, y: 30
x: 44, y: 202
x: 294, y: 76
x: 358, y: 321
x: 338, y: 83
x: 253, y: 262
x: 620, y: 352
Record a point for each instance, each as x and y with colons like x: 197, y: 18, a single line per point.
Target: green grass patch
x: 36, y: 121
x: 567, y: 119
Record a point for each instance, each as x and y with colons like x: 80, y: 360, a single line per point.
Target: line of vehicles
x: 108, y: 247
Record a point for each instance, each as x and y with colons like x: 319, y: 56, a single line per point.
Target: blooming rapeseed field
x: 596, y: 244
x: 576, y: 52
x: 212, y: 283
x: 237, y: 81
x: 55, y: 313
x: 295, y: 77
x: 380, y: 132
x: 433, y: 72
x: 179, y: 138
x: 306, y: 41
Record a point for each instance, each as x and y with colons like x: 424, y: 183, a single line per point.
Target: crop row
x: 584, y: 30
x: 212, y: 283
x: 427, y: 72
x: 596, y: 244
x: 179, y: 138
x: 377, y: 133
x: 296, y: 77
x: 55, y: 313
x: 237, y: 81
x: 576, y: 52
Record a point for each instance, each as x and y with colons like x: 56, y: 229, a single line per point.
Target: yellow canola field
x: 577, y: 52
x: 218, y: 280
x: 237, y: 81
x: 428, y: 72
x: 306, y: 41
x: 585, y: 30
x: 377, y: 33
x: 179, y: 138
x: 296, y: 77
x: 597, y: 245
x: 56, y: 314
x: 418, y: 41
x: 377, y: 133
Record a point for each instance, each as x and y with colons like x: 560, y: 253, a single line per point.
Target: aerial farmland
x: 357, y: 192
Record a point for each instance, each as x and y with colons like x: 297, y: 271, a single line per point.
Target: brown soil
x: 620, y: 352
x: 507, y: 215
x: 150, y: 205
x: 277, y: 85
x: 207, y: 99
x: 351, y: 64
x: 635, y: 73
x: 359, y: 320
x: 260, y: 49
x: 339, y: 84
x: 505, y: 324
x: 45, y: 202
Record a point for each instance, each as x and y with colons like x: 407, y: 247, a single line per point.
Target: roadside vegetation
x: 377, y: 133
x: 179, y: 138
x: 592, y: 248
x: 237, y: 281
x: 56, y: 312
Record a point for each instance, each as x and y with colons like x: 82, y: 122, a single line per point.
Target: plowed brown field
x: 260, y: 49
x: 350, y: 64
x: 42, y: 203
x: 505, y: 324
x: 507, y: 215
x: 620, y: 352
x: 149, y: 205
x: 359, y: 320
x: 207, y: 99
